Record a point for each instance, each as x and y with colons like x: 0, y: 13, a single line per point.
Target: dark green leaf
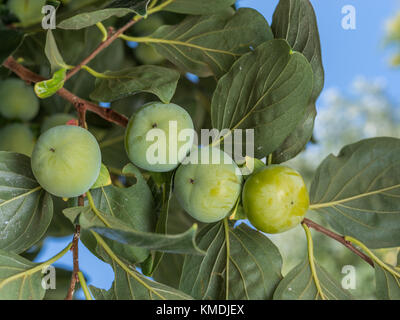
x: 358, y: 191
x: 139, y: 6
x: 152, y: 79
x: 254, y: 265
x: 131, y: 207
x: 130, y: 284
x: 87, y: 19
x: 295, y: 21
x: 267, y: 90
x: 207, y: 45
x: 387, y: 283
x: 178, y: 243
x: 198, y: 7
x: 10, y: 41
x: 26, y: 209
x: 299, y: 284
x: 298, y: 139
x: 18, y: 279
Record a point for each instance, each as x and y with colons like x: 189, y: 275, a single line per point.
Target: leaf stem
x: 95, y: 210
x: 175, y: 42
x: 37, y: 268
x: 310, y: 246
x: 338, y: 238
x: 228, y: 253
x: 103, y: 31
x: 372, y: 255
x: 98, y: 74
x: 84, y: 286
x: 112, y: 255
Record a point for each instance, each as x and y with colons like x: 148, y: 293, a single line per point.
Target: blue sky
x: 346, y: 55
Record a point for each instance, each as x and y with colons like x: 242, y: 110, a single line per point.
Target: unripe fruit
x: 55, y: 120
x: 27, y: 11
x: 275, y: 199
x: 146, y: 54
x: 144, y: 147
x: 206, y: 190
x: 17, y: 138
x: 18, y: 100
x: 66, y: 161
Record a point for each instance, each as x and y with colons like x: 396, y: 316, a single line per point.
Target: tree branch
x: 112, y: 36
x: 29, y: 76
x: 338, y: 238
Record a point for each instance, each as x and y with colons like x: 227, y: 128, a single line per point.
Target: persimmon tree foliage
x: 88, y: 182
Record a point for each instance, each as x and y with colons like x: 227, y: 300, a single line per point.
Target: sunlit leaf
x: 207, y: 45
x: 254, y: 265
x: 267, y: 90
x: 26, y: 209
x: 358, y: 191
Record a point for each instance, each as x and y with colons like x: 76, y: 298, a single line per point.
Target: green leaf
x: 130, y: 284
x: 10, y: 41
x: 47, y: 88
x: 18, y: 278
x: 166, y: 180
x: 131, y: 207
x: 87, y: 19
x: 295, y: 21
x: 358, y: 191
x: 52, y: 52
x: 183, y: 243
x: 267, y: 90
x: 103, y: 179
x: 299, y: 284
x: 207, y: 45
x: 111, y: 144
x: 254, y: 265
x: 26, y: 209
x: 152, y: 79
x: 198, y: 7
x: 139, y: 6
x: 298, y: 139
x: 387, y: 283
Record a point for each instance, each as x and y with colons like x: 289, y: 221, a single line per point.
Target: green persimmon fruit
x: 17, y: 138
x: 148, y: 25
x: 146, y: 54
x: 275, y: 199
x: 27, y: 11
x: 208, y: 190
x: 66, y: 161
x: 55, y: 120
x: 159, y: 136
x: 18, y: 100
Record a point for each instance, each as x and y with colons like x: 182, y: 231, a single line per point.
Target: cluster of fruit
x: 66, y: 161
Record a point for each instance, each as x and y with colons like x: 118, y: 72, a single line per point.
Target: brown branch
x: 112, y: 36
x: 338, y: 238
x: 29, y: 76
x: 75, y: 257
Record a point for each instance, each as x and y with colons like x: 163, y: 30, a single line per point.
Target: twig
x: 112, y: 35
x: 29, y: 76
x: 75, y: 257
x: 338, y: 238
